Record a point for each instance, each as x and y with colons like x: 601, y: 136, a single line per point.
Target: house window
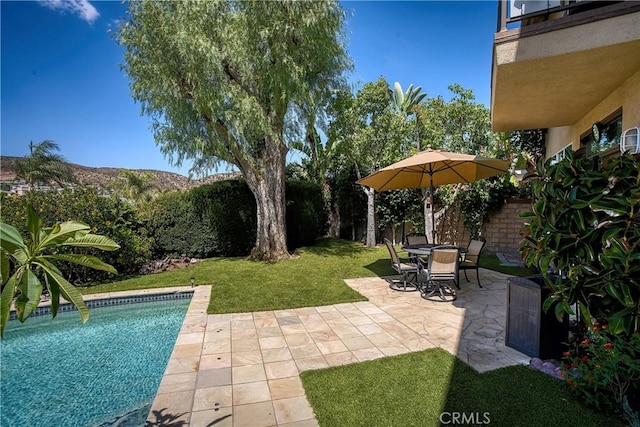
x: 560, y: 155
x: 603, y: 136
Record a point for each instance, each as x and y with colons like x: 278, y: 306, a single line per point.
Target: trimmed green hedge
x: 219, y: 219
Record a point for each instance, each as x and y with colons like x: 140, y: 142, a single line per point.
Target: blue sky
x: 60, y: 75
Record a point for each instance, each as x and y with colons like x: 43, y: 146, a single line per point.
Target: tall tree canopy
x: 235, y: 81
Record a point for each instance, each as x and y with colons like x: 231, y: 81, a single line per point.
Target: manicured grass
x: 238, y: 285
x: 491, y: 262
x: 414, y: 389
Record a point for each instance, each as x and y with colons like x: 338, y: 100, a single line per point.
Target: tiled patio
x: 243, y: 369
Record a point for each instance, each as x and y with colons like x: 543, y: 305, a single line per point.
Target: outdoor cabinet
x: 529, y: 329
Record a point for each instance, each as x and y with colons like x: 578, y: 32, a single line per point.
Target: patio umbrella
x: 431, y: 168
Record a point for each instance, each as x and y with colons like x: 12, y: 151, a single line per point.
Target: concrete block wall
x: 504, y: 230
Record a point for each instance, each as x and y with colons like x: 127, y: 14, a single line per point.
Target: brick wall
x: 503, y: 231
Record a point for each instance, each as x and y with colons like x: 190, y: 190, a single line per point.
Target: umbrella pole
x: 433, y: 219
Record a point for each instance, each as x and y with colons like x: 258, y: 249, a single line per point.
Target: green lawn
x: 313, y: 278
x: 414, y: 389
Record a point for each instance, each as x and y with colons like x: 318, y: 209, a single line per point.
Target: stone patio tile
x: 217, y: 360
x: 220, y: 417
x: 212, y: 397
x: 369, y: 329
x: 217, y: 334
x: 276, y: 354
x: 254, y: 415
x: 178, y: 382
x: 286, y: 387
x: 265, y: 322
x: 346, y: 331
x: 282, y: 369
x: 367, y: 308
x: 380, y: 317
x: 272, y: 342
x: 419, y: 344
x: 216, y: 347
x: 290, y: 320
x: 383, y: 340
x: 175, y: 405
x: 248, y: 374
x: 269, y: 331
x: 284, y: 313
x: 186, y: 350
x: 339, y: 359
x: 298, y: 339
x: 367, y: 354
x: 318, y: 326
x: 304, y: 423
x: 316, y: 362
x: 243, y: 334
x: 213, y: 377
x: 335, y: 346
x: 251, y: 393
x: 292, y: 409
x: 357, y: 343
x: 242, y: 358
x: 305, y: 311
x: 326, y: 309
x: 195, y: 338
x: 360, y: 320
x: 393, y: 351
x: 324, y: 336
x: 245, y: 345
x: 241, y: 316
x: 263, y: 315
x: 242, y: 324
x: 303, y: 351
x: 309, y: 318
x: 296, y: 328
x: 182, y: 365
x: 332, y: 315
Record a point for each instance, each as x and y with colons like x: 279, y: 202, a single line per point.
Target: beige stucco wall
x: 627, y: 97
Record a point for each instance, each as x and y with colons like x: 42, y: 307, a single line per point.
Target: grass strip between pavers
x: 417, y: 389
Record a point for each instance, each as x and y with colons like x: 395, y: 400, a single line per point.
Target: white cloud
x: 82, y: 8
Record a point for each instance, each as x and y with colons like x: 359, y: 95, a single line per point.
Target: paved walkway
x: 243, y: 369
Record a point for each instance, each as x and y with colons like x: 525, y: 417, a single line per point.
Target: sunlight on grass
x: 314, y: 278
x: 415, y: 388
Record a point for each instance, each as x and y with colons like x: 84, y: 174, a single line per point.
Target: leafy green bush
x: 174, y: 227
x: 306, y: 213
x: 585, y: 224
x: 228, y: 211
x: 603, y: 368
x: 107, y: 215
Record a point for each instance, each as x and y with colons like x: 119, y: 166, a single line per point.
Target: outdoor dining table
x: 425, y: 249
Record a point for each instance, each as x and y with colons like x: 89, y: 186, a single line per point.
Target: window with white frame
x: 560, y: 155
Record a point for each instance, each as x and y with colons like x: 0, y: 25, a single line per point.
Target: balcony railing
x: 512, y: 13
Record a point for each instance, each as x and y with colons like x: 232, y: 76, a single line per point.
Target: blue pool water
x: 62, y: 373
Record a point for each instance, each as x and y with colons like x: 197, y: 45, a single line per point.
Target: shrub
x: 107, y: 215
x: 306, y: 213
x: 603, y: 368
x: 175, y: 229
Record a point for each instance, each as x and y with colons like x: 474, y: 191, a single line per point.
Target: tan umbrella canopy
x: 431, y: 168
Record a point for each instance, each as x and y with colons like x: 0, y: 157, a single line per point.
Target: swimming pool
x: 59, y: 372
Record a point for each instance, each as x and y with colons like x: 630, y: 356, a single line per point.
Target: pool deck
x: 243, y: 369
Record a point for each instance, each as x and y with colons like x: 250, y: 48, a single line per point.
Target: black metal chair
x: 471, y: 258
x: 404, y: 268
x: 416, y: 239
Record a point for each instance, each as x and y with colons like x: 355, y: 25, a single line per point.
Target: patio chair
x: 471, y: 259
x: 416, y: 239
x: 404, y: 268
x: 442, y: 267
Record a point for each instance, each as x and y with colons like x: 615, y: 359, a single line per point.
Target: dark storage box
x: 529, y: 329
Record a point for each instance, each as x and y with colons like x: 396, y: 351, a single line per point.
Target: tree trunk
x: 371, y: 218
x: 266, y: 180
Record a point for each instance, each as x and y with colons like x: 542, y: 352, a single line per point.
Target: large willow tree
x: 229, y: 81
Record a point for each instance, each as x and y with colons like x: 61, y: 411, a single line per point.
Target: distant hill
x: 102, y: 176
